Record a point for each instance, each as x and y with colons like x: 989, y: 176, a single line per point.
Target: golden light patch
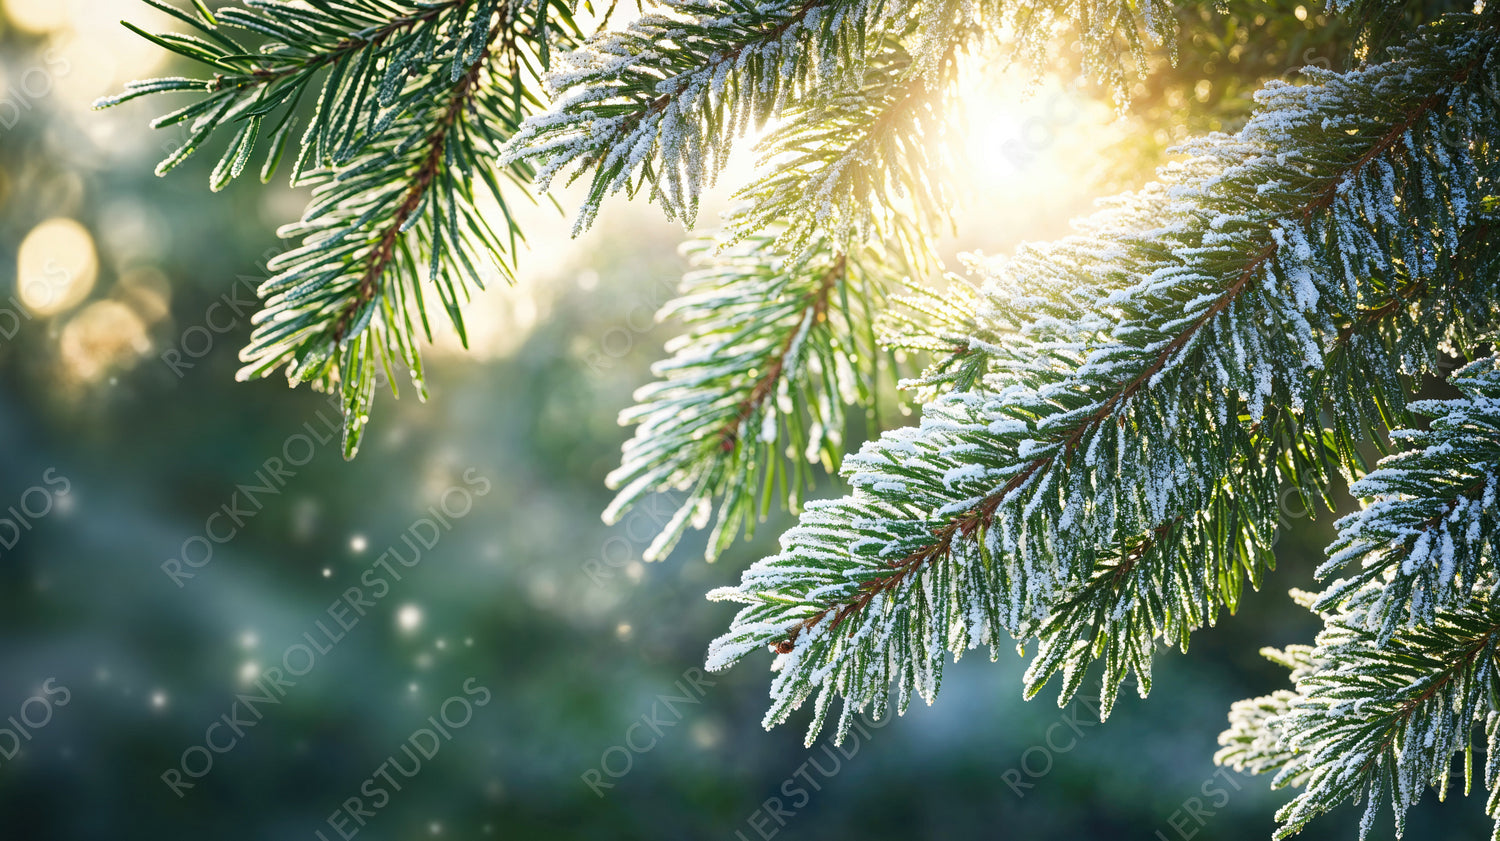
x: 56, y: 267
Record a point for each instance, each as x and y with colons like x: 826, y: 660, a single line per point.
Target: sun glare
x: 1025, y: 138
x: 1030, y: 156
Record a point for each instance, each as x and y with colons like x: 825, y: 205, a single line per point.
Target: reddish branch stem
x: 816, y: 307
x: 379, y: 258
x: 1408, y: 707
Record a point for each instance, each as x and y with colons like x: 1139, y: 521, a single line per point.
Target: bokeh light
x: 409, y: 617
x: 56, y: 266
x: 37, y: 16
x: 104, y: 336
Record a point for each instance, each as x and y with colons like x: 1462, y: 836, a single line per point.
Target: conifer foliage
x: 410, y: 106
x: 1106, y: 421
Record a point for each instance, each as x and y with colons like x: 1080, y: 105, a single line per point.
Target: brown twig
x: 379, y: 258
x: 815, y: 307
x: 1484, y: 641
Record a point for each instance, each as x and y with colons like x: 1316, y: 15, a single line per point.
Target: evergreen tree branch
x: 415, y: 103
x: 1378, y: 720
x: 637, y: 116
x: 869, y: 163
x: 1172, y: 580
x: 1417, y: 686
x: 981, y: 516
x: 350, y: 300
x: 363, y: 51
x: 920, y: 559
x: 1427, y: 536
x: 778, y: 347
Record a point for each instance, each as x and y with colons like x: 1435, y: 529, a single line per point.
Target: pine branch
x: 415, y: 103
x: 975, y: 522
x: 627, y: 109
x: 639, y: 116
x: 1378, y: 720
x: 1173, y: 579
x: 368, y: 49
x: 869, y: 163
x: 1205, y: 562
x: 982, y: 515
x: 778, y: 347
x: 1426, y: 539
x: 844, y: 151
x: 1163, y: 585
x: 350, y: 300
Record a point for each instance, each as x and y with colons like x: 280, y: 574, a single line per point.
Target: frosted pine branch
x: 658, y: 107
x: 363, y: 53
x: 1426, y: 539
x: 757, y: 392
x: 1383, y: 722
x: 873, y: 162
x: 978, y: 521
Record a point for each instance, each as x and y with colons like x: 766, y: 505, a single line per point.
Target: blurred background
x: 181, y: 653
